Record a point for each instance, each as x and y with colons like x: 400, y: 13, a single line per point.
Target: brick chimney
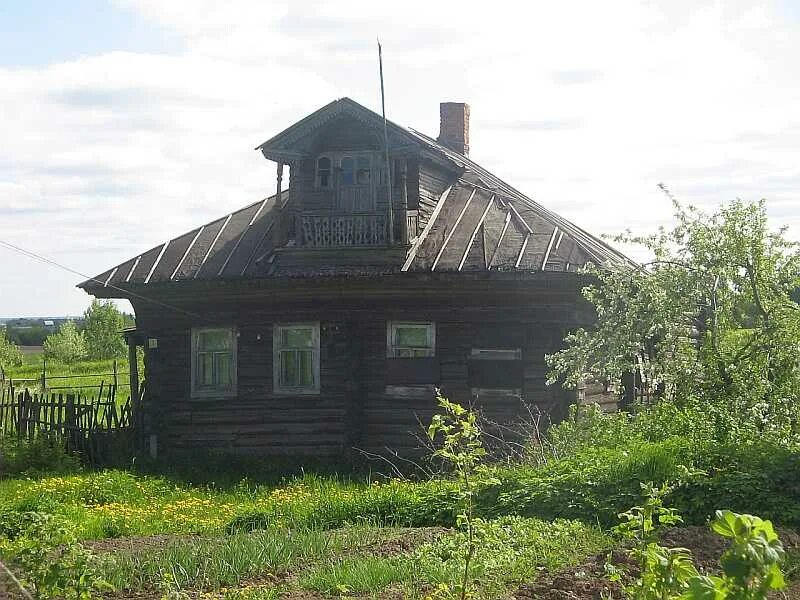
x: 454, y: 126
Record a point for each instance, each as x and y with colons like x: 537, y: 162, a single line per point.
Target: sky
x: 128, y: 122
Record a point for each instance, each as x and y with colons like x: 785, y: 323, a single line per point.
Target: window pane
x: 288, y: 367
x: 222, y: 369
x: 305, y: 369
x: 205, y: 369
x: 364, y: 170
x: 324, y: 171
x: 414, y: 336
x: 215, y: 339
x: 348, y: 171
x: 297, y: 337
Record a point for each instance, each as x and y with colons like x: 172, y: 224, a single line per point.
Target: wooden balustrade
x: 368, y: 229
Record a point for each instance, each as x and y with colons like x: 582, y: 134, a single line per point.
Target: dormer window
x: 324, y: 172
x: 351, y: 170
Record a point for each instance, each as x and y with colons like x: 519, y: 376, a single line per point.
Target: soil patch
x: 588, y: 581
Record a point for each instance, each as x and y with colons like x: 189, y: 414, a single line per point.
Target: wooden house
x: 321, y: 318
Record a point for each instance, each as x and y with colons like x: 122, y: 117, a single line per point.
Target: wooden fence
x: 47, y: 382
x: 90, y: 425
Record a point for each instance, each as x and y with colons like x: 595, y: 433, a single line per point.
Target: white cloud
x: 584, y: 106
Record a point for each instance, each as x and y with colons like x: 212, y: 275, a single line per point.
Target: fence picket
x: 86, y: 424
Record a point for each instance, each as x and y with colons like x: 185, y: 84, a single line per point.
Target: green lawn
x: 83, y: 377
x: 325, y: 535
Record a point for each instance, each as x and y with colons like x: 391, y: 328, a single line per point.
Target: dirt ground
x: 588, y: 580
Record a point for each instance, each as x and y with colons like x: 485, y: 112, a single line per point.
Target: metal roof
x: 479, y: 223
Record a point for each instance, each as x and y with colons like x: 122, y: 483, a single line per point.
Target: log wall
x: 364, y: 401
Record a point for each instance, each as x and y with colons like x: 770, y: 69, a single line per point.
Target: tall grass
x: 365, y: 574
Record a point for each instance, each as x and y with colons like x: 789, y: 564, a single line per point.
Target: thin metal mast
x: 386, y: 148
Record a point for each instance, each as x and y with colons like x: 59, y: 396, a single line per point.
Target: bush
x: 37, y: 456
x: 102, y: 326
x: 10, y: 354
x: 68, y: 345
x: 51, y: 560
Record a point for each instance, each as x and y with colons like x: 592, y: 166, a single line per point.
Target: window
x: 496, y: 354
x: 214, y: 361
x: 323, y: 172
x: 410, y: 340
x: 347, y: 170
x: 364, y: 170
x: 495, y: 370
x: 296, y: 358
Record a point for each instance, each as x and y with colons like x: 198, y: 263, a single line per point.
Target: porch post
x: 404, y: 201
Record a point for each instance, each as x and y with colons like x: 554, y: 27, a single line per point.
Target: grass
x: 512, y: 550
x: 83, y: 377
x: 114, y: 503
x: 214, y: 563
x: 367, y: 574
x: 315, y: 527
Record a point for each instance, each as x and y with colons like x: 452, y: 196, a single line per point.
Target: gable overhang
x: 283, y: 146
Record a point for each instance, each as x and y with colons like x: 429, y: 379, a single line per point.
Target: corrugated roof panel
x: 430, y: 247
x: 227, y: 242
x: 535, y: 250
x: 250, y: 240
x: 122, y: 272
x: 192, y: 261
x: 508, y: 252
x: 462, y: 233
x: 172, y: 256
x: 142, y: 270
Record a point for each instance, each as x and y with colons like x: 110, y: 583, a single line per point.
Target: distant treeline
x: 33, y: 332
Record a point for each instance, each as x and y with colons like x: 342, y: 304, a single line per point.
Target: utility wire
x: 53, y: 263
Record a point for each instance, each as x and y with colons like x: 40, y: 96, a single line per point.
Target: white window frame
x: 285, y: 390
x: 219, y: 391
x: 496, y: 354
x: 392, y: 350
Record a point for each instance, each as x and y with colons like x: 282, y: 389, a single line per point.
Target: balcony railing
x: 345, y: 230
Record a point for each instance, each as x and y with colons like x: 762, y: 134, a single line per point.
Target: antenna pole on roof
x: 386, y: 148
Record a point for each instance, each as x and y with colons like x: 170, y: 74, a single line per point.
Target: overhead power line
x: 33, y: 255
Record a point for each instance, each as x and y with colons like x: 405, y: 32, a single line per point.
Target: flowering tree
x: 714, y: 314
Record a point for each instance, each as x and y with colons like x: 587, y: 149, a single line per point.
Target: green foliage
x: 664, y: 572
x: 366, y: 574
x: 462, y: 449
x: 10, y: 354
x: 67, y: 345
x: 724, y: 276
x: 508, y: 549
x: 103, y: 324
x: 751, y: 567
x: 33, y: 335
x: 20, y: 456
x: 89, y: 373
x: 210, y: 563
x: 51, y: 561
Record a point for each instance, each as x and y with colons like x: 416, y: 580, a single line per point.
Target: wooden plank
x: 428, y: 226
